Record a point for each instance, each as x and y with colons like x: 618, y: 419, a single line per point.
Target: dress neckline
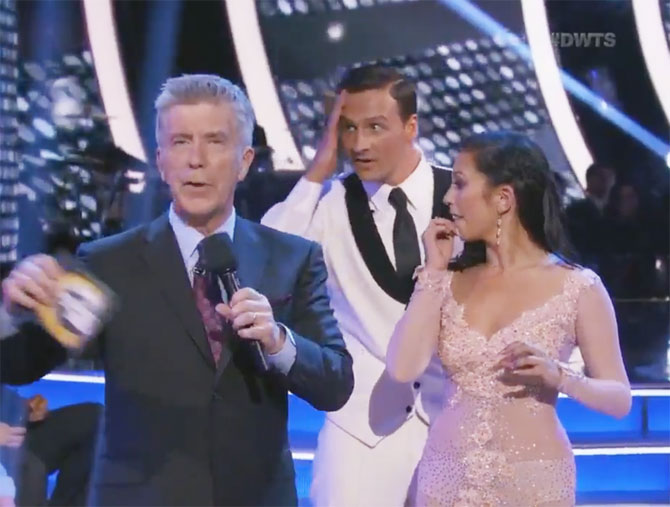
x: 523, y: 315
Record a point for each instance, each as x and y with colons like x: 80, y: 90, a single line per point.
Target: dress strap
x: 580, y: 279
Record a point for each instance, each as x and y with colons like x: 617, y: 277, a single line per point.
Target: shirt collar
x: 188, y: 237
x: 414, y: 186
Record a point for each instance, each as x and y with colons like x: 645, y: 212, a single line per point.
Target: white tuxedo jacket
x: 367, y: 315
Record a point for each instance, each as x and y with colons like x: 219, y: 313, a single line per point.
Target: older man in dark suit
x: 189, y: 418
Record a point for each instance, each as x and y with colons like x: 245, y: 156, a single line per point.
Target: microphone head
x: 216, y: 253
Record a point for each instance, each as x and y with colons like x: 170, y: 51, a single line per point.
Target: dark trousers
x: 64, y: 442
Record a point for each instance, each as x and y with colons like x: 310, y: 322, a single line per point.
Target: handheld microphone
x: 217, y: 256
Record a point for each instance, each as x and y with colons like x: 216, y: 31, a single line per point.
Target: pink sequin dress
x: 496, y: 443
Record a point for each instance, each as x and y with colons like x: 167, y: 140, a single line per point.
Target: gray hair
x: 193, y: 88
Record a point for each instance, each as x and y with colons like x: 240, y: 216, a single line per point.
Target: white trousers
x: 349, y: 473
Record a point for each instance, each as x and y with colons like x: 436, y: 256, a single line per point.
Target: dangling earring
x: 498, y: 230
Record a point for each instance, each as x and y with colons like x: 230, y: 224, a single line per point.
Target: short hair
x: 377, y: 77
x: 598, y: 167
x: 194, y: 88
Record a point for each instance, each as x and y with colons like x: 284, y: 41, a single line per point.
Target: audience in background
x: 12, y: 435
x: 622, y: 232
x: 36, y: 442
x: 63, y: 441
x: 586, y: 216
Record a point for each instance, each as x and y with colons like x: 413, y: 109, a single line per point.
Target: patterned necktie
x: 405, y: 242
x: 207, y: 295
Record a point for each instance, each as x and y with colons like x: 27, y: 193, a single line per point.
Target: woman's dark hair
x: 510, y: 158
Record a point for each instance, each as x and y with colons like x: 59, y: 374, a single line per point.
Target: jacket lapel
x: 251, y: 256
x: 164, y: 262
x: 369, y: 242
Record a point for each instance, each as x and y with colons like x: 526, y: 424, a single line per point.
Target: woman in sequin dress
x: 503, y: 326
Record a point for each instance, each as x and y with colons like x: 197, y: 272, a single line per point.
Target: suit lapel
x: 251, y: 254
x: 369, y: 242
x: 251, y: 257
x: 163, y: 259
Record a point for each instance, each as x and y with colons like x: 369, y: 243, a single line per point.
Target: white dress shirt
x: 418, y: 187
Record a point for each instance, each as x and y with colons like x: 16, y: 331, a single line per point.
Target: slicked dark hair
x: 378, y: 77
x: 511, y: 158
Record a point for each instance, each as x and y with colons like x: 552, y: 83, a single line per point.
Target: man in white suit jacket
x: 370, y: 234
